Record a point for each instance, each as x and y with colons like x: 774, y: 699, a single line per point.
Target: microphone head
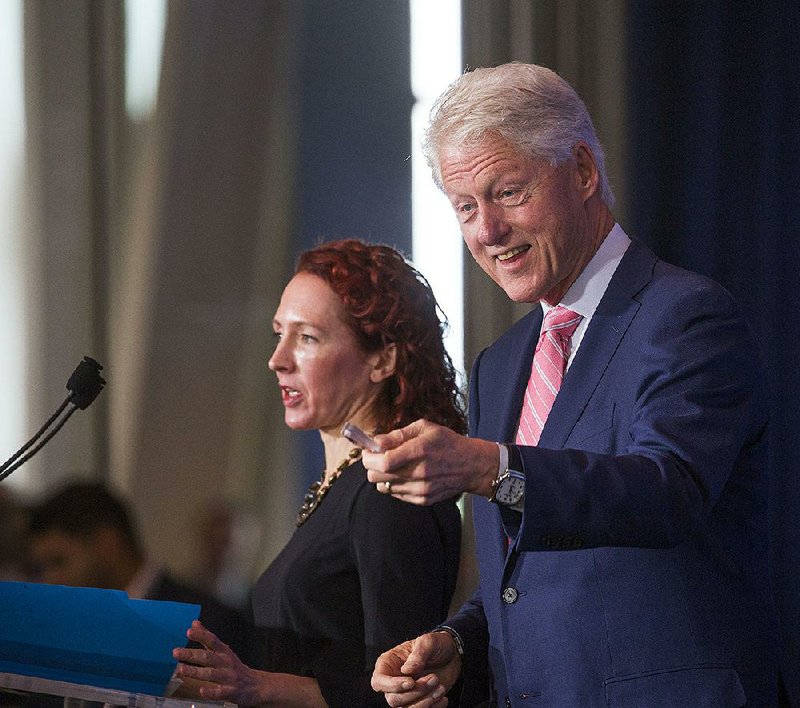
x: 85, y: 383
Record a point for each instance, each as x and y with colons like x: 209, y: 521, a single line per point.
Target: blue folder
x: 91, y: 636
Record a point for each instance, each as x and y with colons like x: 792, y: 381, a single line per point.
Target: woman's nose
x: 280, y: 359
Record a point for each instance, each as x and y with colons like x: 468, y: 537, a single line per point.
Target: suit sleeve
x: 681, y: 423
x: 470, y: 623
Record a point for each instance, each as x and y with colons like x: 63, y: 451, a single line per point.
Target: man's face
x: 522, y: 219
x: 65, y: 559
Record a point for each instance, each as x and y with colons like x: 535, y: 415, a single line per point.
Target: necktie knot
x: 562, y: 320
x: 558, y: 327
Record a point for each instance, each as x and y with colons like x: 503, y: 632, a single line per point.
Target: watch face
x: 510, y: 490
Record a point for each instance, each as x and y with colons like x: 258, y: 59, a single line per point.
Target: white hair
x: 529, y: 106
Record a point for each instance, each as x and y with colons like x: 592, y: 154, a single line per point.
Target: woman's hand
x: 221, y: 673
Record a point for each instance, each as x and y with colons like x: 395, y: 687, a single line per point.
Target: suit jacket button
x: 510, y: 595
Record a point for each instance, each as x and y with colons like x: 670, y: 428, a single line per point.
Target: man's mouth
x: 513, y: 252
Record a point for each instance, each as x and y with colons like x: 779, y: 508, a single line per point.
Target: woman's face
x: 325, y: 378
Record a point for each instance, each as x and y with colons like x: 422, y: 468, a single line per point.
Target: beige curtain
x: 160, y: 248
x: 65, y: 224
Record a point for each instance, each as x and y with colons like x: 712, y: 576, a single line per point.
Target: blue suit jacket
x: 637, y: 573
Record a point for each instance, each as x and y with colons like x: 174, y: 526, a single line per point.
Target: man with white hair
x: 617, y: 447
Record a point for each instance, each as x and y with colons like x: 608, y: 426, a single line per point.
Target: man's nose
x: 492, y: 226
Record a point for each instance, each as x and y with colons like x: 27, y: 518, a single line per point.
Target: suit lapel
x: 606, y: 330
x: 503, y: 376
x: 520, y: 358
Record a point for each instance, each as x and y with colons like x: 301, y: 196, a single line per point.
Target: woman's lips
x: 290, y: 396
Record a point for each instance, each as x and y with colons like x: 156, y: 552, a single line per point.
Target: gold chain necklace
x: 319, y: 489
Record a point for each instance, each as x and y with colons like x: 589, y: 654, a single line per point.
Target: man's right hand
x: 419, y: 672
x: 425, y: 463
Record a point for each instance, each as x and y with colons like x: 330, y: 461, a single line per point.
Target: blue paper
x: 91, y: 636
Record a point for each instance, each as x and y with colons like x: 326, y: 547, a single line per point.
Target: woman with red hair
x: 359, y: 339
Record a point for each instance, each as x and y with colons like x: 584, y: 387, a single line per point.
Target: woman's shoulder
x: 369, y: 506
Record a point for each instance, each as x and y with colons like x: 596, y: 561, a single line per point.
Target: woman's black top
x: 364, y: 573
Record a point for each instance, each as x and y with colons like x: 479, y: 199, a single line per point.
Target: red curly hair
x: 388, y: 301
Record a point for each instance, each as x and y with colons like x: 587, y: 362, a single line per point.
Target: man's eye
x: 511, y: 195
x: 307, y: 338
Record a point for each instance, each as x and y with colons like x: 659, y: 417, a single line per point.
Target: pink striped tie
x: 547, y: 372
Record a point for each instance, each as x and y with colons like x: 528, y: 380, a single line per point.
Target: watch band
x: 501, y: 469
x: 514, y: 459
x: 455, y: 635
x: 503, y: 466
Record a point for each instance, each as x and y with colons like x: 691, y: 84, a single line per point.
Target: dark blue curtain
x: 354, y: 136
x: 715, y: 145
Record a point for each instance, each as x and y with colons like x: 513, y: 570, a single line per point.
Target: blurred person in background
x: 84, y: 536
x: 13, y: 520
x: 227, y: 544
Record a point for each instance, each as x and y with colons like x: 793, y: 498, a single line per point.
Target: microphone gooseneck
x: 84, y: 385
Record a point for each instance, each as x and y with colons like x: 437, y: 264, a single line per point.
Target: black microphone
x: 84, y: 386
x: 85, y: 383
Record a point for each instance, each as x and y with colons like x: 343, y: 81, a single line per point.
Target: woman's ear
x: 384, y: 363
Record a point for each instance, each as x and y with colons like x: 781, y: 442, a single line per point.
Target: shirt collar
x: 585, y: 293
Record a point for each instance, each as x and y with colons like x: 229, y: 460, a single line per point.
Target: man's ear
x: 588, y: 176
x: 384, y: 363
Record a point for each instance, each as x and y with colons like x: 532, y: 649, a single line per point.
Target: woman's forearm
x: 289, y: 691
